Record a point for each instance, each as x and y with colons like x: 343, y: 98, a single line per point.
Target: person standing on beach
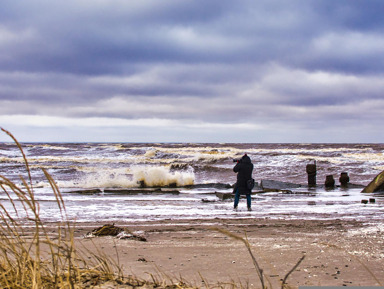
x: 243, y: 168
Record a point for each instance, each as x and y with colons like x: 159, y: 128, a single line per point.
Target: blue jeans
x: 237, y: 199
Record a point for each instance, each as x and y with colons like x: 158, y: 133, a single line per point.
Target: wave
x: 127, y: 165
x: 162, y: 176
x: 137, y: 176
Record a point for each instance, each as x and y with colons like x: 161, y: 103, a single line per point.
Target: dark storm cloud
x: 270, y: 63
x: 352, y: 15
x: 97, y: 37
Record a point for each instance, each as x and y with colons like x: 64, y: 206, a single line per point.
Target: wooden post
x: 311, y: 171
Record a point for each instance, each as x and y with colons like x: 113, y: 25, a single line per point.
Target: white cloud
x: 65, y: 122
x: 8, y: 36
x: 290, y: 85
x: 349, y: 44
x: 203, y: 40
x: 34, y: 128
x: 103, y: 122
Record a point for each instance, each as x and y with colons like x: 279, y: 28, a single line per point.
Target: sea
x: 192, y: 169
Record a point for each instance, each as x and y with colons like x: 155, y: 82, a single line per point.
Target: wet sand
x: 337, y: 252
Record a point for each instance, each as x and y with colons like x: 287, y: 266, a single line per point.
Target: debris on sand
x: 112, y: 230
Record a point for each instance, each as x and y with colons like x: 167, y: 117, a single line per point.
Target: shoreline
x: 337, y: 252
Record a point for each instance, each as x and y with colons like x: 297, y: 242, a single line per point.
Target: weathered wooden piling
x: 311, y: 171
x: 329, y: 181
x: 344, y: 179
x: 372, y: 200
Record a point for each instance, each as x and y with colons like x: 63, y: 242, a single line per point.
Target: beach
x: 172, y: 195
x: 337, y: 252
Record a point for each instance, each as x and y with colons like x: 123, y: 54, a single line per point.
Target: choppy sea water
x: 125, y: 165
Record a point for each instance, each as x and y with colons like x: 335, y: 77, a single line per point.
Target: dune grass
x: 31, y: 257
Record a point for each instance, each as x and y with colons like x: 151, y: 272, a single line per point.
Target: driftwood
x: 129, y: 191
x: 112, y: 230
x: 86, y: 192
x: 107, y: 230
x: 205, y: 200
x: 219, y: 186
x: 224, y: 196
x: 141, y: 191
x: 271, y: 185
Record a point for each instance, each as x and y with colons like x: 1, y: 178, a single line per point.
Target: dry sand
x: 337, y: 252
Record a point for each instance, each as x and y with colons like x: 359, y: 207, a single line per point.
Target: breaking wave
x: 149, y: 176
x: 162, y: 176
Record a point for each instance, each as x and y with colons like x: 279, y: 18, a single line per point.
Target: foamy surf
x: 162, y: 177
x: 136, y: 176
x: 100, y: 166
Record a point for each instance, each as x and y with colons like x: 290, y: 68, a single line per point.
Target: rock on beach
x: 376, y: 185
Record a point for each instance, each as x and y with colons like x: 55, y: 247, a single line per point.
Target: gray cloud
x: 95, y: 37
x: 281, y: 66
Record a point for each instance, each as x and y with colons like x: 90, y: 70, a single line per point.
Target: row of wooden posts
x: 329, y: 180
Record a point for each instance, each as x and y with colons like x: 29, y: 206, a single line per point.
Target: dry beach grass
x: 21, y: 261
x: 217, y: 253
x: 31, y: 256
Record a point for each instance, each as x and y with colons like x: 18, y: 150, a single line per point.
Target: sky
x: 192, y: 71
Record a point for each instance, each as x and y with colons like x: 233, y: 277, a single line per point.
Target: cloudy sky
x: 192, y: 70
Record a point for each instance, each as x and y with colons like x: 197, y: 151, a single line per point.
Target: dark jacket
x: 244, y: 169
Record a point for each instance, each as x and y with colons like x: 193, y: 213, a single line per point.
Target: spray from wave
x: 162, y: 177
x: 148, y: 176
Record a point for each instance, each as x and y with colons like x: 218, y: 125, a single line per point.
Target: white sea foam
x: 51, y: 147
x: 151, y: 176
x: 374, y: 229
x: 191, y: 154
x: 330, y: 159
x: 111, y: 178
x: 150, y: 153
x: 162, y: 176
x: 83, y: 166
x: 366, y: 157
x: 379, y: 168
x: 11, y: 160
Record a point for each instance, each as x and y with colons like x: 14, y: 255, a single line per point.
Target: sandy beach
x: 337, y: 252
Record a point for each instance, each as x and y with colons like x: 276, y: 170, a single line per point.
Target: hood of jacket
x: 246, y: 159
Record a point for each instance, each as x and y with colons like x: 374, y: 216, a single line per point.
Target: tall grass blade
x: 22, y: 152
x: 291, y: 271
x: 259, y: 270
